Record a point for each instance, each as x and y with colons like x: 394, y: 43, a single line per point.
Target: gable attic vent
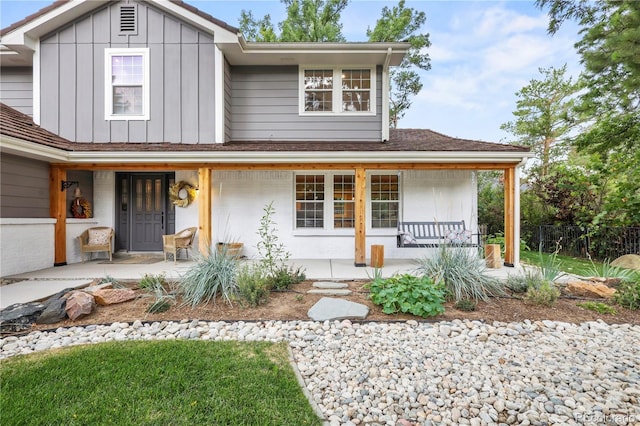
x: 128, y: 19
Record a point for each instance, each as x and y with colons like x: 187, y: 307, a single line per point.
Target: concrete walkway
x: 38, y: 285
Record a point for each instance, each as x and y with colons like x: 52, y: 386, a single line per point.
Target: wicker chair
x: 95, y: 240
x: 180, y: 240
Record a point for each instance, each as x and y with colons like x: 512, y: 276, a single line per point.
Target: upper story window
x: 337, y: 90
x: 127, y: 84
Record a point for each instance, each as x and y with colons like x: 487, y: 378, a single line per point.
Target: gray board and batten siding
x: 16, y: 88
x: 265, y: 108
x: 24, y: 187
x: 182, y: 93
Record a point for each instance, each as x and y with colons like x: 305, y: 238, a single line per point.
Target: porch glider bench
x: 434, y: 234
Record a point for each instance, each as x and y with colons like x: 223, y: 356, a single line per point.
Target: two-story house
x: 128, y: 98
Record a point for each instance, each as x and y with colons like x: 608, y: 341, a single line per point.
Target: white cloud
x: 481, y: 56
x: 498, y: 21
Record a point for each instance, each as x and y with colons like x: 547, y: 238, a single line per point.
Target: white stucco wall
x: 27, y: 245
x: 239, y: 199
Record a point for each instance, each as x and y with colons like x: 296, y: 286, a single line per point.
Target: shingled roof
x: 59, y: 3
x: 21, y: 126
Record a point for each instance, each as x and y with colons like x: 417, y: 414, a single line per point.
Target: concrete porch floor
x: 38, y: 285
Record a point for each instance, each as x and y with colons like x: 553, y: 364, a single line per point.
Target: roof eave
x: 353, y: 53
x: 17, y: 146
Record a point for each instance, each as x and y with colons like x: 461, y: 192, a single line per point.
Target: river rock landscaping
x: 407, y: 373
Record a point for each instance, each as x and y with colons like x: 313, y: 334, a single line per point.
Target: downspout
x: 386, y: 87
x: 35, y: 71
x: 516, y: 208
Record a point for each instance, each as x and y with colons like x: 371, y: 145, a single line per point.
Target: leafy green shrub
x: 463, y: 273
x: 272, y: 252
x: 150, y: 281
x: 406, y: 293
x: 253, y: 287
x: 545, y: 294
x: 628, y: 294
x: 522, y: 283
x: 465, y: 305
x: 159, y: 305
x: 284, y: 277
x: 161, y: 292
x: 273, y: 255
x: 599, y: 307
x: 213, y: 274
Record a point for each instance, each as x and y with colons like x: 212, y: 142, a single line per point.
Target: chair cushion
x: 184, y: 233
x: 99, y: 237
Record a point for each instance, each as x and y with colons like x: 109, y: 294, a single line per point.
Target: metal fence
x: 601, y: 243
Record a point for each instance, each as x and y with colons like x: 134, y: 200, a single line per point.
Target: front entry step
x: 328, y: 288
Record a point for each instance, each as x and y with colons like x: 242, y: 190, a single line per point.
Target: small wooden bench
x: 434, y: 234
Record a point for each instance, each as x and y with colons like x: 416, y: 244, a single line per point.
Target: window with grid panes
x: 343, y: 201
x: 318, y: 90
x: 309, y: 201
x: 126, y: 85
x: 356, y: 90
x: 384, y: 201
x: 337, y: 90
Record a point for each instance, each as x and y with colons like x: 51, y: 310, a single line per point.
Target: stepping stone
x: 329, y: 309
x: 330, y: 292
x: 329, y: 284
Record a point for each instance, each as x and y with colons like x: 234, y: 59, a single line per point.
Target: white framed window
x: 344, y: 194
x: 327, y: 201
x: 126, y: 83
x: 337, y: 90
x: 385, y: 200
x: 310, y: 191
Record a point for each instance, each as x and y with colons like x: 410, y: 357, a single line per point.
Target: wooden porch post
x: 509, y: 215
x: 58, y: 211
x: 360, y: 217
x: 204, y: 209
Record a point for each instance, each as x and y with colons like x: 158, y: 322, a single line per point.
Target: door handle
x: 162, y: 220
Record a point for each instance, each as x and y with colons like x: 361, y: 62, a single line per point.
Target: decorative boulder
x: 629, y: 261
x: 106, y: 297
x: 589, y: 289
x: 19, y: 317
x: 79, y: 303
x: 54, y: 311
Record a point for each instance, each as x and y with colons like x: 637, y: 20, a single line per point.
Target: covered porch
x: 360, y: 237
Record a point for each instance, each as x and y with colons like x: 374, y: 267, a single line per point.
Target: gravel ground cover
x: 410, y: 373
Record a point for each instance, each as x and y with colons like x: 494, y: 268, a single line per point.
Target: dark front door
x: 148, y: 211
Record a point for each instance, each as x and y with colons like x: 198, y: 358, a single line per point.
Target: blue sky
x: 482, y: 53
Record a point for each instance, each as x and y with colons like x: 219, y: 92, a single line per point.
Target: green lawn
x: 573, y: 265
x: 579, y: 266
x: 154, y: 383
